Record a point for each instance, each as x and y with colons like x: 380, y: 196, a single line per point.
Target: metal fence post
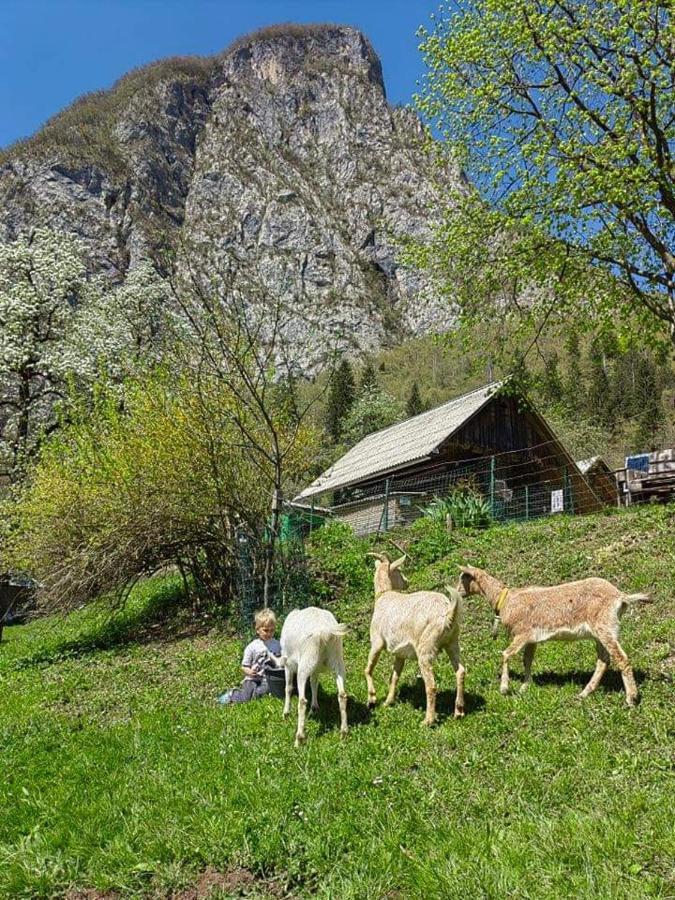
x: 492, y: 487
x: 527, y: 503
x: 567, y: 485
x: 384, y: 518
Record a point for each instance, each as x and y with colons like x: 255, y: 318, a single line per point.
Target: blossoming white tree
x: 42, y: 279
x: 57, y: 323
x: 122, y: 330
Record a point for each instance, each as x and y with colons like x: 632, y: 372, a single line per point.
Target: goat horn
x: 398, y: 562
x: 399, y: 548
x: 380, y: 556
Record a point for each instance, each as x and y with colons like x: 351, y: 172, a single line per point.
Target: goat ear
x: 397, y: 563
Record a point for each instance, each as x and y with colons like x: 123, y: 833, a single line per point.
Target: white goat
x: 419, y: 625
x: 578, y: 610
x: 311, y: 642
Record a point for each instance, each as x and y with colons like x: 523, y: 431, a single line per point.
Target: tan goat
x: 589, y: 609
x: 413, y: 625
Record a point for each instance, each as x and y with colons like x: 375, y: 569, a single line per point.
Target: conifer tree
x: 341, y: 394
x: 368, y: 383
x: 552, y: 386
x: 573, y: 387
x: 599, y: 400
x: 648, y: 400
x: 414, y: 405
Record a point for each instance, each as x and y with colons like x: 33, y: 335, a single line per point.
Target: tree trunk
x: 271, y: 544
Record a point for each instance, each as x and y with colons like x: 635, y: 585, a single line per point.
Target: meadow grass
x: 123, y: 775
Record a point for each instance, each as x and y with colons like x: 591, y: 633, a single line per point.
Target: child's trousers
x: 249, y: 690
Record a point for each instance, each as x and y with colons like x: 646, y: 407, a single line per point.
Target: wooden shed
x: 600, y: 478
x: 491, y: 441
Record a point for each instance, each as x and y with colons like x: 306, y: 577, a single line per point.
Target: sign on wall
x: 557, y: 503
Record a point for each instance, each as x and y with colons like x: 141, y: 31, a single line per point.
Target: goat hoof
x: 581, y: 696
x: 524, y: 687
x: 428, y: 723
x: 300, y: 740
x: 387, y: 702
x: 344, y: 732
x: 503, y: 690
x: 371, y: 704
x: 459, y: 712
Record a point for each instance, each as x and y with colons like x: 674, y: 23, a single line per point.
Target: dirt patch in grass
x: 236, y: 882
x: 91, y: 894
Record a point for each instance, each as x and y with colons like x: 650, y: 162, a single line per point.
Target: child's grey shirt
x: 258, y: 654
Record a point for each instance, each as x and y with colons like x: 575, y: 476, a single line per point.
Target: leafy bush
x: 466, y: 508
x: 123, y: 491
x: 371, y: 412
x: 337, y: 552
x: 431, y: 540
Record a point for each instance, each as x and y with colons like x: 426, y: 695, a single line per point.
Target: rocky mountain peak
x: 281, y: 153
x: 285, y: 52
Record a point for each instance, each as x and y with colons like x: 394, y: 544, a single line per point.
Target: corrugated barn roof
x: 400, y: 444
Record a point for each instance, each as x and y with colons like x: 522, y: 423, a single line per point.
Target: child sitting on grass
x: 257, y: 657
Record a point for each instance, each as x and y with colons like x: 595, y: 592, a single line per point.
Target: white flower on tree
x: 57, y: 323
x: 42, y: 279
x: 120, y: 331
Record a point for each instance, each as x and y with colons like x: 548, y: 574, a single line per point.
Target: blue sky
x: 51, y: 51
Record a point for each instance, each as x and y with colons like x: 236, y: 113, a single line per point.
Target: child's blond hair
x: 265, y: 616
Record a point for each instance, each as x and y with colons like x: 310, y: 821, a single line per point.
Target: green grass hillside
x: 123, y: 778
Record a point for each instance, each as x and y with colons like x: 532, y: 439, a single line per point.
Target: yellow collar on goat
x: 500, y: 600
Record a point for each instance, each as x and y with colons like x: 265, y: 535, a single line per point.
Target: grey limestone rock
x: 282, y: 153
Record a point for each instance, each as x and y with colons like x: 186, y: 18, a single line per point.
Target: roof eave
x: 383, y: 473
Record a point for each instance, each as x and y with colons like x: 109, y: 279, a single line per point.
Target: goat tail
x: 453, y: 616
x: 339, y: 630
x: 637, y: 598
x: 326, y: 635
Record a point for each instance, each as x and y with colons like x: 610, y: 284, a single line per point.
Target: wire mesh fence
x: 516, y: 486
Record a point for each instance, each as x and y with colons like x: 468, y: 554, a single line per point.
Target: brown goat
x: 589, y: 609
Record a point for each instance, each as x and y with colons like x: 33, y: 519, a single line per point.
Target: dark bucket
x: 276, y: 678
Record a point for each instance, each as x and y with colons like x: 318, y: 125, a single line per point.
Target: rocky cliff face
x: 282, y: 153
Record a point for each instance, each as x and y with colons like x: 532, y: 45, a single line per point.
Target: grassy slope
x: 124, y: 774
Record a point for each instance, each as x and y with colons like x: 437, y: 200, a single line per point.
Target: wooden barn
x: 490, y: 442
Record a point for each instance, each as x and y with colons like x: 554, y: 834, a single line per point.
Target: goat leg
x: 373, y: 656
x: 426, y: 668
x: 515, y: 647
x: 342, y: 701
x: 314, y: 682
x: 620, y: 660
x: 453, y: 653
x: 528, y: 657
x: 601, y: 667
x: 399, y: 662
x: 300, y: 736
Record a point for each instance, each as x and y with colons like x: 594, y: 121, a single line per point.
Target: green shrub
x: 466, y: 508
x: 431, y: 540
x: 164, y: 479
x: 341, y: 558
